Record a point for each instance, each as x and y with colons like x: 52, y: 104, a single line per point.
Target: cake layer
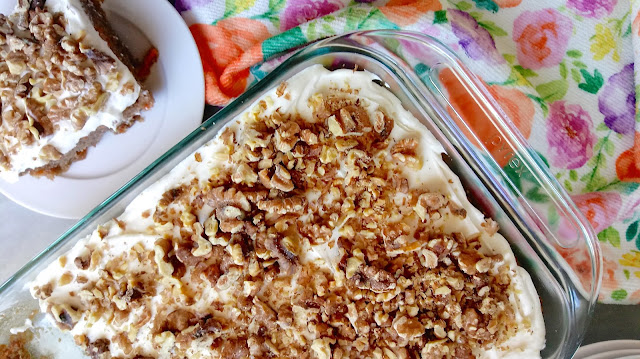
x: 321, y: 223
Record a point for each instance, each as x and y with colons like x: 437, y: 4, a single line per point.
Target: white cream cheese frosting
x: 136, y: 231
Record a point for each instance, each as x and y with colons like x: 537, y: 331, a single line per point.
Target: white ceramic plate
x: 609, y: 349
x: 177, y: 84
x: 618, y: 354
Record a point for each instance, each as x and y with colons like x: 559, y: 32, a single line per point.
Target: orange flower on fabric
x: 579, y: 261
x: 507, y: 3
x: 516, y: 105
x: 610, y: 268
x: 628, y: 163
x: 600, y: 208
x: 636, y: 24
x: 407, y: 12
x: 223, y: 45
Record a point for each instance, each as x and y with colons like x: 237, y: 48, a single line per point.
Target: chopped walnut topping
x: 309, y: 137
x: 286, y: 136
x: 490, y: 226
x: 307, y: 243
x: 374, y: 279
x: 282, y: 179
x: 281, y: 88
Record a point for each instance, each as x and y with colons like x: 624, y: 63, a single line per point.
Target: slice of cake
x: 65, y: 79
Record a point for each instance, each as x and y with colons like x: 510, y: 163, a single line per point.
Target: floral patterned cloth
x: 563, y: 72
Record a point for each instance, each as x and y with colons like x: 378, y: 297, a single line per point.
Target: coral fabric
x: 563, y: 71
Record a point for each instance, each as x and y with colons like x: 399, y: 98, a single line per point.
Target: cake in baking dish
x: 320, y: 223
x: 65, y: 79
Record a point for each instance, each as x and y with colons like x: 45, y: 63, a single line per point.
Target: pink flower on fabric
x: 592, y: 8
x: 600, y: 208
x: 418, y: 50
x: 541, y: 37
x: 300, y: 11
x: 569, y: 135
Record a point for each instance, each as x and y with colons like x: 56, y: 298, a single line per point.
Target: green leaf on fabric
x: 638, y: 242
x: 234, y: 7
x: 568, y: 186
x: 602, y: 127
x: 509, y: 58
x: 579, y: 64
x: 276, y: 5
x: 327, y: 30
x: 576, y: 54
x: 514, y: 176
x: 553, y: 91
x: 423, y: 71
x: 312, y: 33
x: 535, y: 195
x: 627, y: 274
x: 619, y: 294
x: 514, y: 78
x: 492, y: 28
x: 440, y: 17
x: 553, y: 216
x: 610, y: 235
x: 284, y: 41
x: 598, y: 144
x: 526, y: 73
x: 464, y: 6
x: 573, y: 175
x: 374, y: 20
x: 628, y: 31
x: 476, y: 15
x: 563, y: 70
x: 629, y: 187
x: 544, y: 160
x: 575, y: 75
x: 600, y: 183
x: 487, y: 5
x: 518, y: 175
x: 619, y: 186
x: 593, y: 83
x: 541, y: 103
x: 595, y: 181
x: 632, y: 231
x: 609, y: 148
x: 354, y: 15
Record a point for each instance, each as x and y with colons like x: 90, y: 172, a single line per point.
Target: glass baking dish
x: 499, y: 173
